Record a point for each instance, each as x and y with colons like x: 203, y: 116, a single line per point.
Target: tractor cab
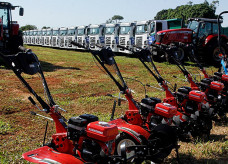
x: 10, y: 38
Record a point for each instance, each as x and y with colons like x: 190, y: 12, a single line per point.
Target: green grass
x: 80, y: 87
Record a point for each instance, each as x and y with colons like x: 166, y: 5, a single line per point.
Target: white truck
x: 43, y: 36
x: 54, y: 38
x: 33, y: 39
x: 62, y: 37
x: 81, y: 36
x: 47, y: 41
x: 71, y: 36
x: 111, y: 33
x: 127, y: 36
x: 38, y: 37
x: 95, y: 36
x: 25, y: 36
x: 29, y: 37
x: 142, y: 33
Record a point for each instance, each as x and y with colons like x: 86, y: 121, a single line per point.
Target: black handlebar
x: 77, y: 44
x: 123, y: 47
x: 23, y: 49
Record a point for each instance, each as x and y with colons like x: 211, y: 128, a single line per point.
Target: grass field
x: 79, y: 86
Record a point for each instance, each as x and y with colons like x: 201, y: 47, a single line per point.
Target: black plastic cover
x: 184, y: 90
x: 106, y: 55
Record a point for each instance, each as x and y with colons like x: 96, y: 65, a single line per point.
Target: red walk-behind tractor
x: 10, y: 37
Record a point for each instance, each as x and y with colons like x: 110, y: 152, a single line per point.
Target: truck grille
x: 92, y: 41
x: 79, y: 40
x: 139, y: 41
x: 62, y: 42
x: 108, y: 40
x: 54, y: 41
x: 69, y: 42
x: 122, y: 41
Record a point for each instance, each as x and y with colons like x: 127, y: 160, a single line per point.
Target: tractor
x: 10, y: 36
x: 202, y: 34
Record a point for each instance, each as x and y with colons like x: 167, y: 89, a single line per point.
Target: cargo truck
x: 62, y: 37
x: 95, y: 36
x: 54, y: 37
x: 111, y: 33
x: 127, y: 36
x: 81, y: 36
x: 71, y: 36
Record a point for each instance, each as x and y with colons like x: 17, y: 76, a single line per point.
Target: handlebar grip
x: 23, y: 49
x: 31, y: 100
x: 77, y: 44
x: 119, y: 46
x: 100, y: 46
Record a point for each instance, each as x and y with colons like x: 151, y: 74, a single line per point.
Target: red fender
x: 46, y: 155
x: 133, y: 130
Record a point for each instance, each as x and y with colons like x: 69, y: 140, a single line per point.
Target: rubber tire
x: 121, y: 137
x: 181, y: 56
x: 213, y: 51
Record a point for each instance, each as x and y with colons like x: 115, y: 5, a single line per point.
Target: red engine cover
x: 165, y: 110
x: 217, y: 85
x: 197, y: 96
x: 225, y: 78
x: 102, y: 131
x: 175, y: 35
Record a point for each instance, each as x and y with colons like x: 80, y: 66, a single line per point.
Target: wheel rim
x: 179, y: 54
x: 128, y: 142
x: 216, y: 53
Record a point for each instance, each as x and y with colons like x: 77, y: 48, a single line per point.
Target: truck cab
x: 142, y: 33
x: 25, y: 35
x: 62, y: 37
x: 47, y: 41
x: 43, y: 37
x: 81, y: 36
x: 127, y: 36
x: 38, y: 37
x: 54, y: 37
x: 95, y: 36
x: 33, y: 38
x: 111, y: 32
x: 71, y: 36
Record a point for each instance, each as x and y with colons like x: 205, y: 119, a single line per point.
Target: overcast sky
x: 60, y: 13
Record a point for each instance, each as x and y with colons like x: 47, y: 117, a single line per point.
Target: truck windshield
x: 109, y: 30
x: 152, y: 27
x: 39, y: 33
x: 125, y: 29
x: 81, y: 31
x: 35, y: 33
x: 193, y: 25
x: 141, y: 29
x: 55, y: 32
x: 4, y: 16
x: 63, y: 32
x: 44, y: 33
x: 71, y: 32
x: 48, y: 32
x: 93, y: 31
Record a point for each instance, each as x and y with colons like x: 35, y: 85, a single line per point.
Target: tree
x: 109, y: 20
x: 203, y: 10
x: 45, y: 27
x: 117, y: 17
x: 28, y: 27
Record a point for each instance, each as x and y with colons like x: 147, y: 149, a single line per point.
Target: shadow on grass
x: 46, y: 66
x: 215, y: 137
x: 189, y: 159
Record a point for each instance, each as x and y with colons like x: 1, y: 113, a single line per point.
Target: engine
x: 95, y: 139
x: 182, y: 93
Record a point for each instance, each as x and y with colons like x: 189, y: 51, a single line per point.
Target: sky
x: 67, y: 13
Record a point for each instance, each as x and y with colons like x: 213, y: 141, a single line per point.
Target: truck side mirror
x: 21, y: 11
